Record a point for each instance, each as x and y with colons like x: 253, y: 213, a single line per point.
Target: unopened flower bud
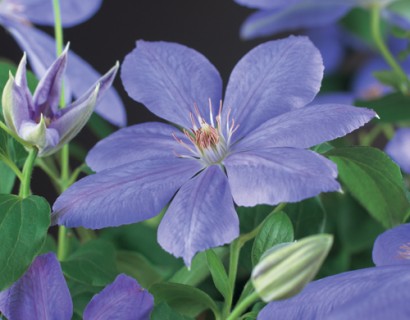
x: 286, y: 268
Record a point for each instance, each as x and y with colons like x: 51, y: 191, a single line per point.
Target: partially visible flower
x: 398, y: 148
x: 251, y: 149
x: 42, y: 293
x: 377, y: 293
x: 37, y: 119
x: 16, y: 16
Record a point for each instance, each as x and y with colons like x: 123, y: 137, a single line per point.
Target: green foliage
x: 23, y: 230
x: 185, y: 299
x: 163, y: 311
x: 138, y: 267
x: 93, y: 263
x: 390, y: 108
x: 7, y: 178
x: 276, y: 229
x: 218, y: 272
x: 375, y: 181
x: 251, y: 217
x: 308, y: 217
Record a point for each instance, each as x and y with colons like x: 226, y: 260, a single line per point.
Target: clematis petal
x: 39, y: 135
x: 146, y: 141
x: 40, y: 47
x: 328, y: 40
x: 41, y: 293
x: 169, y: 79
x: 375, y: 293
x: 48, y: 90
x: 341, y: 97
x: 125, y: 194
x: 273, y: 78
x: 73, y: 12
x: 123, y: 299
x: 301, y: 15
x: 393, y: 246
x: 16, y: 105
x: 271, y: 176
x: 201, y: 216
x: 70, y: 120
x: 316, y: 123
x: 398, y: 149
x: 267, y: 4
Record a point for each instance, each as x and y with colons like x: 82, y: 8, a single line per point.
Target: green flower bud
x: 285, y: 269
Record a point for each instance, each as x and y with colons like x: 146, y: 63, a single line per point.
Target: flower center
x: 210, y: 143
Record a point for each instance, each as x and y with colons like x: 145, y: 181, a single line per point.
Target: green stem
x: 24, y: 191
x: 62, y: 249
x: 379, y: 41
x: 12, y: 166
x: 243, y: 306
x: 235, y: 249
x: 15, y: 136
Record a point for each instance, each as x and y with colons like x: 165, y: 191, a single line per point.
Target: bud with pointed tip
x: 284, y: 270
x: 37, y: 119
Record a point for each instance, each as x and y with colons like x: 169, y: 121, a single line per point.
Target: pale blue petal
x: 146, y: 141
x: 125, y: 194
x: 396, y: 19
x: 345, y: 98
x: 201, y: 216
x: 169, y: 79
x: 277, y: 175
x: 301, y: 15
x: 47, y: 94
x: 307, y: 127
x: 378, y: 293
x: 72, y: 11
x: 267, y: 4
x: 41, y: 293
x: 328, y: 40
x: 398, y: 149
x: 40, y: 49
x: 393, y: 246
x: 123, y: 299
x: 273, y: 78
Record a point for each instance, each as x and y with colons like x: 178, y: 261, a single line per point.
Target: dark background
x: 209, y: 26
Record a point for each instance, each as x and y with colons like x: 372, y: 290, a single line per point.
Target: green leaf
x: 93, y: 263
x: 23, y: 230
x: 218, y: 272
x: 184, y: 299
x: 7, y: 178
x: 199, y: 270
x: 388, y: 78
x: 390, y: 108
x: 308, y: 217
x: 276, y: 229
x: 375, y: 181
x: 251, y: 217
x: 163, y: 311
x: 138, y: 267
x: 81, y: 295
x: 99, y: 127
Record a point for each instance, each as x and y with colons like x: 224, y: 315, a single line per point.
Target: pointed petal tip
x: 377, y: 116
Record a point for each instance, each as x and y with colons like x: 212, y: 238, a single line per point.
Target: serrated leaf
x: 23, y: 230
x: 276, y: 229
x: 375, y: 181
x: 138, y: 267
x: 184, y: 299
x: 93, y: 263
x: 218, y: 272
x: 390, y: 108
x: 163, y: 311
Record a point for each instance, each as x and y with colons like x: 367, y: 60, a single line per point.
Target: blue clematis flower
x: 37, y: 119
x: 249, y: 149
x: 398, y: 148
x: 16, y: 16
x: 377, y: 293
x: 42, y: 293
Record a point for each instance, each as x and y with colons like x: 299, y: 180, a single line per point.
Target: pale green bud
x: 284, y: 270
